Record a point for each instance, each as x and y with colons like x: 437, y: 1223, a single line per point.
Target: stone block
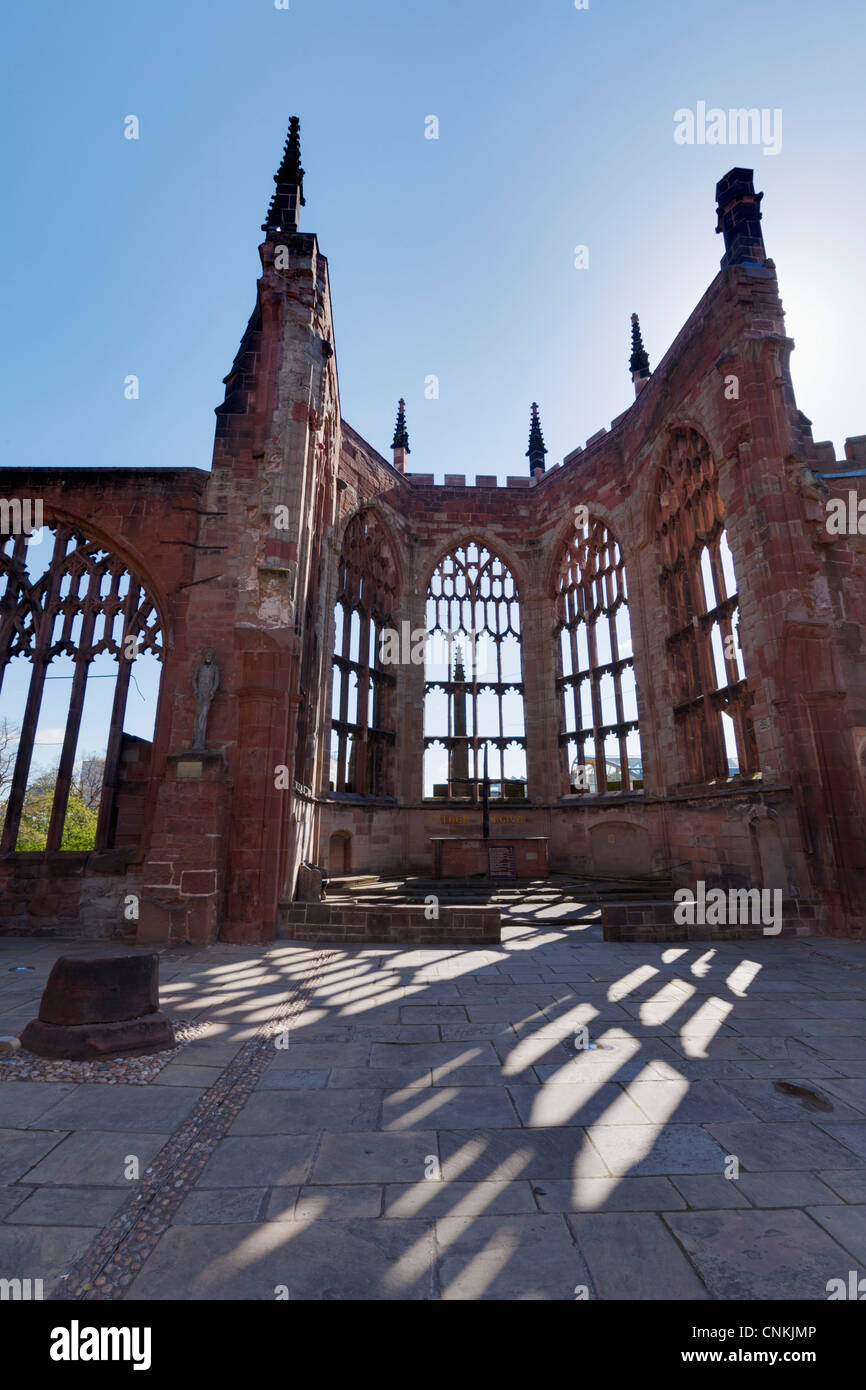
x: 86, y: 1041
x: 100, y: 1006
x: 100, y: 989
x: 198, y: 881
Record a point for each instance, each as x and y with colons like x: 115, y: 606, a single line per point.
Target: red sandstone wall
x: 218, y: 852
x: 236, y: 836
x: 149, y: 520
x: 800, y: 822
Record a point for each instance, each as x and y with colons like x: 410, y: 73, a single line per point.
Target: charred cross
x: 484, y: 784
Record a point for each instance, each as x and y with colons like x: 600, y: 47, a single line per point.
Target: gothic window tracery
x: 72, y: 615
x: 306, y: 623
x: 699, y: 588
x: 362, y: 695
x: 473, y: 702
x: 595, y: 678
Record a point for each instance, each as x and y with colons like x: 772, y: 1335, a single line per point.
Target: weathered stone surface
x: 97, y: 1156
x: 518, y: 1257
x: 101, y: 989
x: 100, y: 1006
x: 20, y: 1150
x: 67, y: 1206
x: 644, y: 1150
x: 309, y: 884
x: 23, y: 1104
x: 432, y: 1200
x: 376, y: 1158
x: 608, y: 1194
x: 632, y: 1255
x: 222, y: 1207
x: 339, y: 1260
x: 307, y: 1111
x: 127, y: 1109
x: 45, y: 1252
x: 84, y: 1041
x: 281, y: 1160
x: 753, y: 1255
x: 633, y: 1213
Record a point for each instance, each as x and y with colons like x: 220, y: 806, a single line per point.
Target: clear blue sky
x: 452, y: 257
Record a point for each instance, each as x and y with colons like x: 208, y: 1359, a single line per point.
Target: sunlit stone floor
x: 552, y: 1119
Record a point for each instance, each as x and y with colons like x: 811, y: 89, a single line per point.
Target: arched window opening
x: 362, y: 697
x: 307, y: 586
x: 596, y: 685
x: 699, y: 588
x: 80, y: 662
x: 474, y: 724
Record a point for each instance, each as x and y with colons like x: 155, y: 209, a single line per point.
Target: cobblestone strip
x: 115, y: 1258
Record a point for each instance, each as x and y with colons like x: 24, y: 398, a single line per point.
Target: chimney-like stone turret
x: 739, y: 213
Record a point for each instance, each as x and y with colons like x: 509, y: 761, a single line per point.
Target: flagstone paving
x: 555, y: 1118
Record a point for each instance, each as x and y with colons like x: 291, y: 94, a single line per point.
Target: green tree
x: 79, y: 829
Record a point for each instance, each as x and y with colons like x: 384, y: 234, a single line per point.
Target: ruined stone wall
x: 234, y: 559
x: 257, y: 602
x: 245, y: 560
x: 795, y: 826
x: 149, y: 520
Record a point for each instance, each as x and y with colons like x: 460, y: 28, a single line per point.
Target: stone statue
x: 205, y: 683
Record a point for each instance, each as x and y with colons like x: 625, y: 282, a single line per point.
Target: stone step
x: 544, y: 885
x: 351, y: 881
x: 48, y: 933
x: 576, y: 899
x: 491, y: 892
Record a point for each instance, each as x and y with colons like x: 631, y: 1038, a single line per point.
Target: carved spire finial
x: 537, y: 448
x: 288, y: 198
x: 401, y: 433
x: 638, y: 365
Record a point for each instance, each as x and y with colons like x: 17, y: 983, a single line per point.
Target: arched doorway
x: 340, y: 853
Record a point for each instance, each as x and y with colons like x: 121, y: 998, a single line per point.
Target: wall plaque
x: 501, y: 861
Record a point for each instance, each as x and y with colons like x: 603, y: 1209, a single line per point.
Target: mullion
x: 18, y: 560
x: 35, y: 691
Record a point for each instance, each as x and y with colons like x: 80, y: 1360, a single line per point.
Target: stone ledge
x: 654, y: 921
x: 380, y: 924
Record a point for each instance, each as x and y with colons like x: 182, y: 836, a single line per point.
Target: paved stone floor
x: 431, y: 1131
